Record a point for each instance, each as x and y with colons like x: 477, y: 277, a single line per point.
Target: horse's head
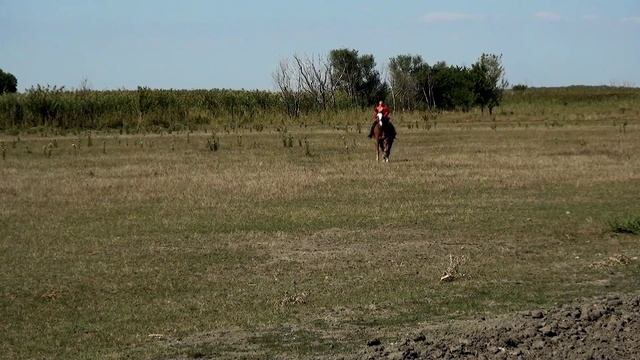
x: 379, y: 115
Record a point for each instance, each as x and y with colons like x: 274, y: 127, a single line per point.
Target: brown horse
x: 384, y: 133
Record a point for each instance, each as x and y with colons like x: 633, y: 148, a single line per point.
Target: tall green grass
x: 133, y: 109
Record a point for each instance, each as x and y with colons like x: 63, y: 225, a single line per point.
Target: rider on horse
x: 383, y: 109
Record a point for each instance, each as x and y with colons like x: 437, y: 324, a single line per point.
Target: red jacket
x: 381, y: 109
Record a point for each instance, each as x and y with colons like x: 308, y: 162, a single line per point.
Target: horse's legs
x: 383, y: 147
x: 377, y: 145
x: 387, y: 148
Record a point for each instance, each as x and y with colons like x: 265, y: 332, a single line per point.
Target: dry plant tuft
x: 295, y: 299
x: 307, y: 150
x: 51, y: 294
x: 623, y: 127
x: 3, y: 148
x: 611, y: 261
x: 213, y: 143
x: 453, y: 269
x: 46, y: 149
x: 287, y: 140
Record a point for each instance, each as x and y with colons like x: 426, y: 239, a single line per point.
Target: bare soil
x: 602, y: 328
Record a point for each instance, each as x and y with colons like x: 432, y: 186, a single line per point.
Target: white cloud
x: 547, y: 16
x: 443, y: 16
x: 632, y: 19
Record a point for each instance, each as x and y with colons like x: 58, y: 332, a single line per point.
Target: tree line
x: 343, y: 79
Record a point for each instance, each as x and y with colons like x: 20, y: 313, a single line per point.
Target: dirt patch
x: 602, y: 328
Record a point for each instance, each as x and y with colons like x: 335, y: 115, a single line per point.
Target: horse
x: 384, y: 133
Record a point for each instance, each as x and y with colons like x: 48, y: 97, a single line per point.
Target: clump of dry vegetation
x: 611, y: 261
x: 293, y: 299
x: 47, y: 149
x: 213, y: 143
x: 452, y: 271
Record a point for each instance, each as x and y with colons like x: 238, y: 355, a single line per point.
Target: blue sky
x: 238, y: 44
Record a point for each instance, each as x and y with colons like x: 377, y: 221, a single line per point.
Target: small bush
x: 520, y: 87
x: 628, y: 225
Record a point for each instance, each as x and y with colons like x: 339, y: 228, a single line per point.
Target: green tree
x: 403, y: 71
x: 452, y: 87
x: 356, y: 76
x: 8, y: 83
x: 345, y: 71
x: 489, y: 81
x: 371, y: 88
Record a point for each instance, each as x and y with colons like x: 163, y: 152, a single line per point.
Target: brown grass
x: 170, y: 250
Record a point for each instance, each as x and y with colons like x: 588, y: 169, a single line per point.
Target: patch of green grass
x: 625, y: 225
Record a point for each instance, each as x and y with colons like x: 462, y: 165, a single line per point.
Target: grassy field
x: 153, y: 246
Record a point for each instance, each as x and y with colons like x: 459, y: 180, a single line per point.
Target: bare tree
x: 315, y: 79
x: 85, y: 85
x: 286, y: 79
x: 386, y: 78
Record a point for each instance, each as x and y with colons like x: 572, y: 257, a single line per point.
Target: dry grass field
x: 153, y: 246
